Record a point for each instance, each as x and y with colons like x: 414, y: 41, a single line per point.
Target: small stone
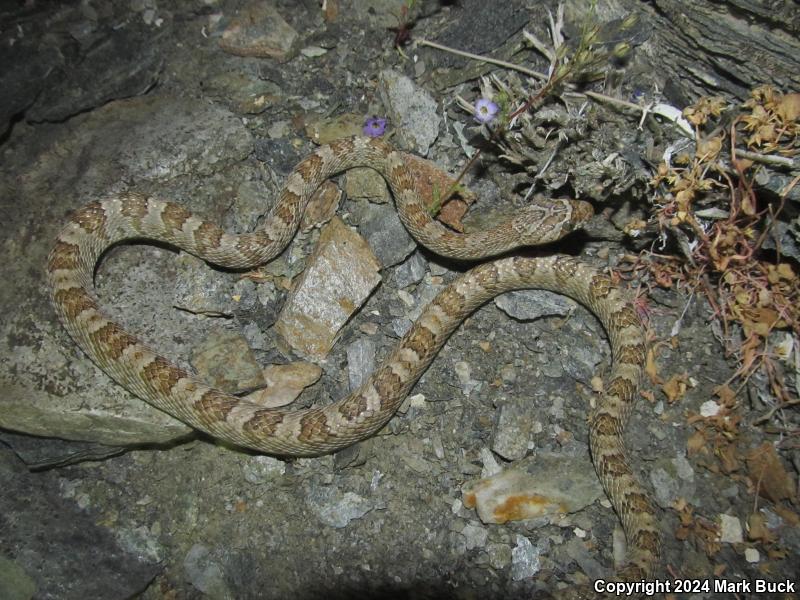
x: 456, y: 506
x: 407, y: 298
x: 360, y: 361
x: 260, y: 469
x: 438, y: 446
x: 490, y: 464
x: 386, y: 235
x: 730, y: 529
x: 369, y: 328
x: 413, y: 111
x: 709, y: 408
x: 328, y: 130
x: 508, y: 374
x: 15, y: 583
x: 337, y: 509
x: 225, y: 360
x: 401, y: 325
x: 411, y: 271
x: 201, y: 290
x: 313, y: 51
x: 512, y: 432
x: 204, y: 573
x: 751, y: 555
x: 279, y: 129
x: 683, y: 467
x: 525, y: 559
x: 417, y: 401
x: 464, y: 374
x: 665, y: 487
x: 576, y: 550
x: 476, y: 535
x: 527, y: 305
x: 258, y: 30
x: 499, y: 555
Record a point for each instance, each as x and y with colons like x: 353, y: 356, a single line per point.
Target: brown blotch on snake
x: 174, y: 216
x: 135, y: 207
x: 73, y: 301
x: 634, y: 353
x: 66, y: 256
x: 355, y: 406
x: 114, y: 339
x: 163, y: 375
x: 264, y: 422
x: 92, y: 217
x: 215, y: 403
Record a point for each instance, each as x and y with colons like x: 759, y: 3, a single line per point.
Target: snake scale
x: 318, y: 430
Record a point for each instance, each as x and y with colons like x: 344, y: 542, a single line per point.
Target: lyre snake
x: 317, y: 430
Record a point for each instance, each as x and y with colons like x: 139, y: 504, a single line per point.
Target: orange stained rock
x: 526, y: 506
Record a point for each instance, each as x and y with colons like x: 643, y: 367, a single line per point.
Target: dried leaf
x: 788, y: 107
x: 651, y: 368
x: 757, y: 529
x: 787, y: 514
x: 726, y: 395
x: 729, y: 458
x: 695, y: 443
x: 709, y: 148
x: 768, y: 475
x: 676, y: 387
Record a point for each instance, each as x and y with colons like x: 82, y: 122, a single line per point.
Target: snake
x: 317, y: 430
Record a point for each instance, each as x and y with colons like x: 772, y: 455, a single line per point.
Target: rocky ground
x: 211, y: 104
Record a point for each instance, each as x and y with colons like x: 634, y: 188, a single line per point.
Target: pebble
x: 730, y: 529
x: 225, y: 360
x: 500, y: 555
x: 525, y: 559
x: 412, y: 109
x: 204, y: 573
x: 476, y: 535
x: 386, y: 235
x: 260, y: 469
x: 527, y: 305
x: 709, y: 408
x: 360, y: 361
x: 337, y: 509
x: 511, y: 436
x: 411, y: 271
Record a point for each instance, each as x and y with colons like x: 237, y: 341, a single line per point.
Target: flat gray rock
x: 59, y: 546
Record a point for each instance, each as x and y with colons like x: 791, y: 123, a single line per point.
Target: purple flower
x: 485, y: 110
x: 374, y: 127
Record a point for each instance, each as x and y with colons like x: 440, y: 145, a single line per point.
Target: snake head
x: 550, y: 219
x: 582, y: 212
